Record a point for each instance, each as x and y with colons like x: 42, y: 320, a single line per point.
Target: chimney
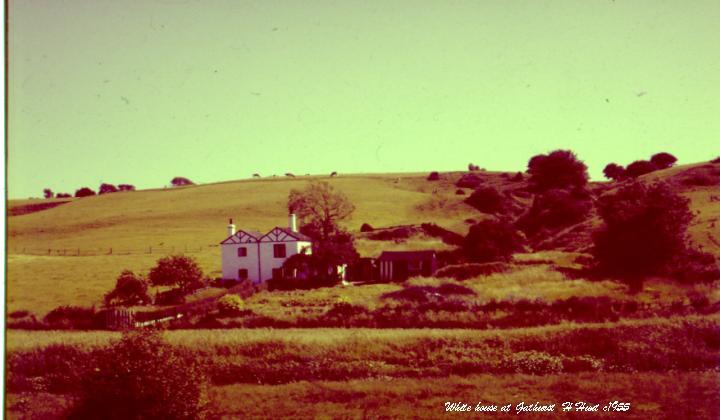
x: 292, y: 222
x: 231, y: 228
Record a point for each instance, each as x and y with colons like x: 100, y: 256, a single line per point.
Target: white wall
x: 231, y: 263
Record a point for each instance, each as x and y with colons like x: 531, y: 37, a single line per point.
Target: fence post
x: 110, y: 251
x: 49, y: 251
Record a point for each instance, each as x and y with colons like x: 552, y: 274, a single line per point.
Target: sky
x: 139, y: 92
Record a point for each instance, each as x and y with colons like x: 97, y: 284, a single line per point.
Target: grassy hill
x: 71, y: 251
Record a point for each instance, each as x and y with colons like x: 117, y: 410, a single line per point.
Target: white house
x: 257, y: 257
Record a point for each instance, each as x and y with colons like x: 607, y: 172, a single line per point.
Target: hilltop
x: 71, y: 251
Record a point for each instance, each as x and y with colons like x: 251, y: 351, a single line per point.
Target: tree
x: 126, y: 187
x: 63, y: 195
x: 492, y: 240
x: 663, y: 160
x: 319, y: 208
x: 84, y: 192
x: 554, y: 209
x: 177, y: 270
x: 180, y: 181
x: 640, y: 167
x: 129, y: 290
x: 107, y: 188
x: 47, y: 193
x: 645, y: 230
x: 142, y: 377
x: 487, y: 200
x: 557, y: 169
x: 614, y: 171
x: 434, y: 176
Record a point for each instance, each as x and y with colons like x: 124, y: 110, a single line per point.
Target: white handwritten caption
x: 523, y: 407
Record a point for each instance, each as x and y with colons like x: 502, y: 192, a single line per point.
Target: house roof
x: 239, y: 236
x: 406, y: 255
x: 297, y: 235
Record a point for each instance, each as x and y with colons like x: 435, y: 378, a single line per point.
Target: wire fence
x: 84, y: 252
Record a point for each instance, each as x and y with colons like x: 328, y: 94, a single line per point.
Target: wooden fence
x: 84, y: 252
x: 116, y: 319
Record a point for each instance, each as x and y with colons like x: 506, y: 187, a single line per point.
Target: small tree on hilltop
x: 47, y: 193
x: 180, y: 181
x: 492, y: 240
x: 614, y: 171
x: 107, y: 189
x: 639, y: 168
x: 557, y: 169
x: 177, y: 270
x: 142, y: 377
x: 663, y: 160
x: 644, y: 232
x: 129, y: 290
x: 126, y: 187
x: 84, y: 192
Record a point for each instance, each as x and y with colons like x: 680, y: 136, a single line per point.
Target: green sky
x: 139, y: 92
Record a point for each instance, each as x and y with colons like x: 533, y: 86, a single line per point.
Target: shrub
x: 459, y: 192
x: 645, y: 229
x: 469, y: 181
x: 449, y: 237
x: 491, y: 240
x: 454, y: 289
x: 142, y: 377
x: 170, y: 297
x: 640, y: 167
x: 554, y: 209
x: 694, y: 266
x: 63, y: 195
x: 557, y: 169
x: 434, y: 176
x: 366, y: 228
x: 84, y: 192
x: 179, y: 181
x: 518, y: 177
x: 532, y: 362
x: 47, y: 193
x: 107, y: 188
x: 472, y: 270
x: 177, y: 270
x: 126, y: 187
x: 231, y: 305
x: 472, y: 167
x: 701, y: 180
x: 73, y: 317
x: 614, y: 171
x: 716, y: 160
x: 129, y: 290
x: 663, y: 160
x: 487, y: 200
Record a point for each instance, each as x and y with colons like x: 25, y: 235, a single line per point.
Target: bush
x: 129, y: 290
x: 614, y: 171
x: 487, y: 200
x: 179, y: 181
x: 126, y: 187
x: 518, y: 177
x: 554, y: 209
x: 663, y: 160
x: 73, y: 318
x: 459, y: 192
x: 177, y: 270
x: 472, y: 270
x: 469, y: 181
x: 491, y: 240
x: 645, y: 230
x: 84, y: 192
x: 640, y: 167
x: 557, y: 169
x: 434, y: 176
x: 366, y: 228
x: 716, y: 160
x: 231, y: 305
x: 170, y: 297
x: 63, y: 195
x: 107, y: 188
x: 472, y: 167
x: 701, y: 180
x: 142, y: 377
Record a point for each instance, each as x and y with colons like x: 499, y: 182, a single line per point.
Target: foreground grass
x: 651, y: 395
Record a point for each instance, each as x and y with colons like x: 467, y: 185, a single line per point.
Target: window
x: 279, y: 250
x: 243, y: 273
x: 242, y: 252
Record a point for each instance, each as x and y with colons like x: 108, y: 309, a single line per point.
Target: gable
x: 282, y: 235
x: 240, y: 237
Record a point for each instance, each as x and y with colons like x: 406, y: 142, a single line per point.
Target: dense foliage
x: 557, y: 169
x: 492, y: 240
x: 177, y: 270
x: 129, y: 290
